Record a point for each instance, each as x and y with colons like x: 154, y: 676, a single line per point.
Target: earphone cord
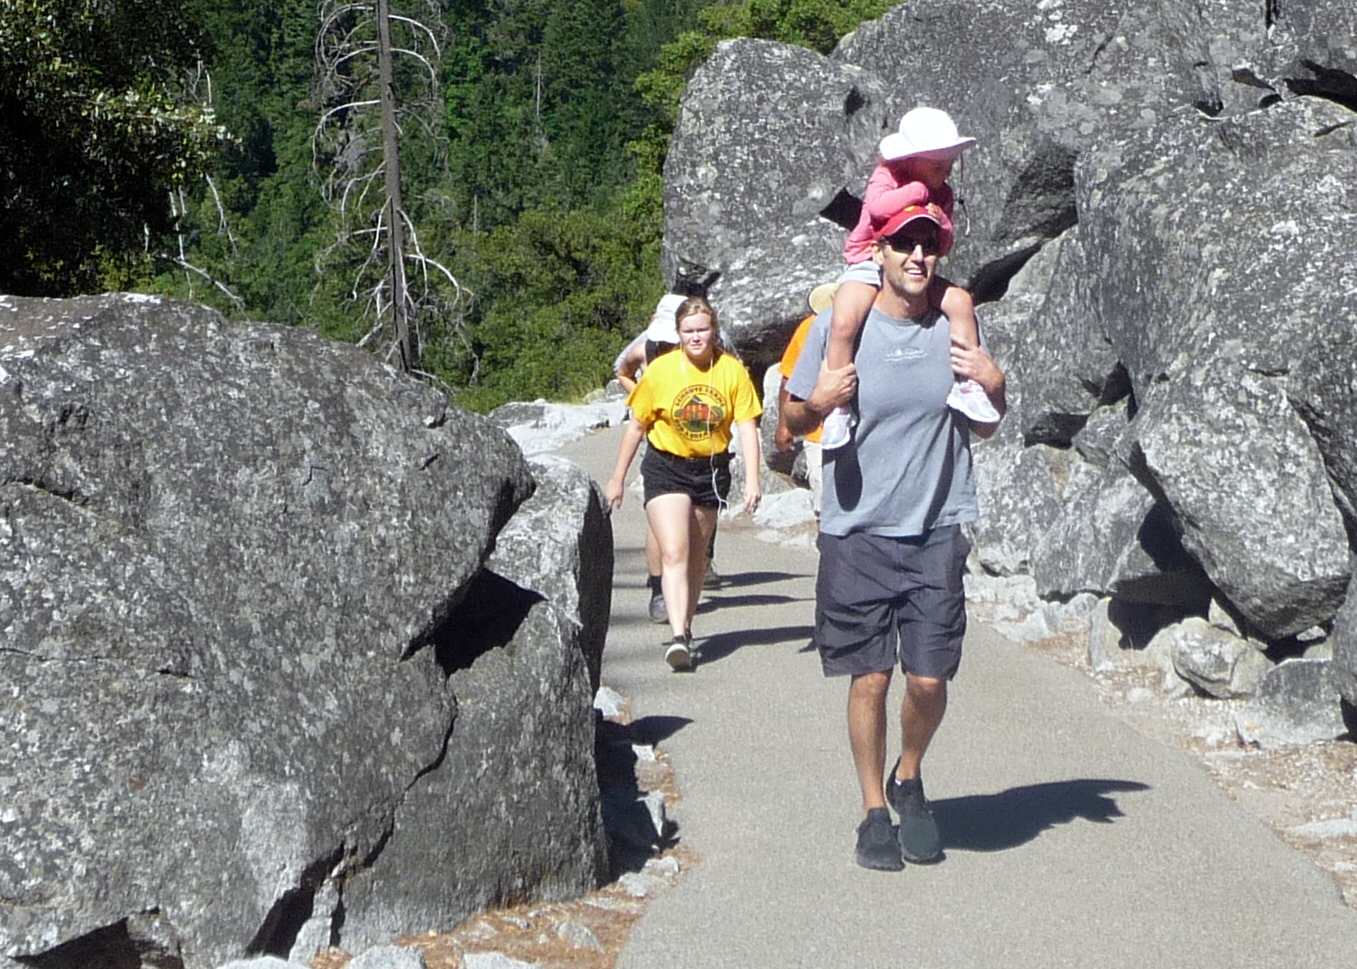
x: 962, y: 201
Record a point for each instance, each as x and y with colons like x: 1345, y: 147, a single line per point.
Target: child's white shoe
x: 970, y: 398
x: 836, y: 432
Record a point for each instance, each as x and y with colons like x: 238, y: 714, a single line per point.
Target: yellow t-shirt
x: 793, y: 354
x: 692, y: 412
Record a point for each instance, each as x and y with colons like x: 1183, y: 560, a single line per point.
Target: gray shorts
x: 879, y: 601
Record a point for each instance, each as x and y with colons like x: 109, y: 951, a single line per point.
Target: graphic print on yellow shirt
x: 690, y: 412
x: 697, y: 409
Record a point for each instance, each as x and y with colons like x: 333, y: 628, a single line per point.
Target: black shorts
x: 879, y: 601
x: 705, y: 480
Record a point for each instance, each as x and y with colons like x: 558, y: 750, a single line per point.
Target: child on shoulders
x: 916, y: 162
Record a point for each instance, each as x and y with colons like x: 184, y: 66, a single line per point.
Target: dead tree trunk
x: 395, y: 213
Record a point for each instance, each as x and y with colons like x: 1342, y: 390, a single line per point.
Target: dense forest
x: 471, y: 188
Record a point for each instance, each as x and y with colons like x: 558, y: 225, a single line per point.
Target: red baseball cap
x: 904, y: 217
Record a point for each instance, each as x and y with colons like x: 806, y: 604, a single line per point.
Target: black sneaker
x: 877, y: 848
x: 920, y: 840
x: 678, y: 653
x: 711, y: 579
x: 659, y: 612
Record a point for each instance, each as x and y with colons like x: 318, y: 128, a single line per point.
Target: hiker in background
x: 687, y: 406
x: 892, y: 552
x: 915, y: 163
x: 659, y: 337
x: 820, y: 299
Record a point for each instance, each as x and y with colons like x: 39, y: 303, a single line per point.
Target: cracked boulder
x: 1247, y: 493
x: 234, y: 562
x: 1113, y: 539
x: 1344, y: 672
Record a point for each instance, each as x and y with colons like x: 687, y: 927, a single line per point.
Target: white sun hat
x: 924, y: 131
x: 663, y: 327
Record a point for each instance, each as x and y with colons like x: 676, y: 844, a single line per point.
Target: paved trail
x: 1071, y: 840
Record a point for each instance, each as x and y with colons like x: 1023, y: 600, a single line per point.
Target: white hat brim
x: 896, y: 146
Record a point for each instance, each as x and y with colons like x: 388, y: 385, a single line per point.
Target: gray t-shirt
x: 907, y: 469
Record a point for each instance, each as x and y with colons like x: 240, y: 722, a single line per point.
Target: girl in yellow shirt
x: 687, y: 406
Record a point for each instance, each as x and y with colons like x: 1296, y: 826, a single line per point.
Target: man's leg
x: 855, y: 636
x: 867, y: 734
x: 877, y: 847
x: 921, y: 712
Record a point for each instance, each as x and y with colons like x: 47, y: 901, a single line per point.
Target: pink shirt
x: 885, y: 196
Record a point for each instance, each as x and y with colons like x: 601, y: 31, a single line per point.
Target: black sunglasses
x: 931, y: 244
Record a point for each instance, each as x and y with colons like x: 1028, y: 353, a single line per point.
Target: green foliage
x: 93, y: 137
x: 259, y: 227
x: 563, y: 287
x: 570, y: 289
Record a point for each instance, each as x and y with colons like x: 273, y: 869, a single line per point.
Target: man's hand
x: 834, y: 388
x: 973, y: 363
x: 783, y: 439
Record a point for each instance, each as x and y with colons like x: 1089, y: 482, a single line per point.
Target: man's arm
x: 833, y: 388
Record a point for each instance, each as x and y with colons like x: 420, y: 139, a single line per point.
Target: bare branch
x: 223, y: 224
x: 186, y: 265
x: 422, y: 27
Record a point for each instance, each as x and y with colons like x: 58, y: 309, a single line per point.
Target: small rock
x: 1334, y: 828
x: 1297, y: 704
x: 1219, y: 617
x: 1322, y: 650
x: 611, y: 903
x: 579, y: 935
x: 639, y: 885
x: 1217, y: 662
x: 609, y: 702
x: 666, y: 867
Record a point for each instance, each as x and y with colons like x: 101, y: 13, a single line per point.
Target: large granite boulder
x: 236, y: 566
x: 1343, y: 674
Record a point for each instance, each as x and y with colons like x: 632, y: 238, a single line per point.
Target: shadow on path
x: 718, y: 647
x: 656, y: 727
x: 723, y: 602
x: 995, y: 822
x: 737, y: 579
